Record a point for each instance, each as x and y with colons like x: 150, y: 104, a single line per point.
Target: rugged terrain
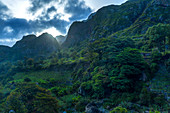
x: 116, y: 61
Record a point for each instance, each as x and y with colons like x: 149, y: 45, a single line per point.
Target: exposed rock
x: 92, y: 108
x: 81, y: 91
x: 161, y: 2
x: 105, y: 22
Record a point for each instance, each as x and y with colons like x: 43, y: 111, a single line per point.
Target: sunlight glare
x: 53, y: 31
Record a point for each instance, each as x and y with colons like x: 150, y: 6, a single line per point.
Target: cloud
x: 51, y: 9
x: 78, y: 9
x: 9, y: 42
x: 3, y: 11
x: 49, y: 15
x: 21, y: 26
x: 38, y: 4
x: 8, y: 29
x: 3, y: 7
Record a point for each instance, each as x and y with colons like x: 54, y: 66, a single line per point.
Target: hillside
x: 31, y: 46
x: 116, y: 61
x: 130, y: 19
x: 5, y: 52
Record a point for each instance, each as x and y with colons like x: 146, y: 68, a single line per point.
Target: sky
x: 22, y: 17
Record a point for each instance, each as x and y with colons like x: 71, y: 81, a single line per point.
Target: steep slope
x: 156, y: 12
x: 5, y: 53
x: 106, y: 21
x: 32, y: 46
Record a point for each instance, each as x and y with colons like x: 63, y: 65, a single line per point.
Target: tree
x: 128, y: 71
x: 29, y: 97
x: 119, y: 109
x: 132, y: 58
x: 30, y: 63
x: 159, y: 36
x: 14, y: 102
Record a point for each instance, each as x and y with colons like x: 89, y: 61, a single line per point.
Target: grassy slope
x: 42, y: 76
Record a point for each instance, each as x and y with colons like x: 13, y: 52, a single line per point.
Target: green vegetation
x: 122, y: 67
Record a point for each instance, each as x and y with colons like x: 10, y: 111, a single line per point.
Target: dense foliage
x: 122, y: 67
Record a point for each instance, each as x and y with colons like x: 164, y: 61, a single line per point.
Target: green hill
x: 116, y: 61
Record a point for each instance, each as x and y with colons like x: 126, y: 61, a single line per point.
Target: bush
x: 27, y: 80
x: 119, y: 109
x: 156, y: 57
x: 28, y: 97
x: 14, y: 102
x: 61, y: 91
x: 81, y: 104
x: 154, y: 67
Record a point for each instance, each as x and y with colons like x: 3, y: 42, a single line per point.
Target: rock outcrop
x: 92, y: 108
x: 129, y: 19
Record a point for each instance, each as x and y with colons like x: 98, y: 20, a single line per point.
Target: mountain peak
x: 45, y: 34
x: 32, y: 46
x: 28, y: 37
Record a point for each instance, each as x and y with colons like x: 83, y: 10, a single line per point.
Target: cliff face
x: 106, y: 21
x: 161, y: 2
x: 131, y: 18
x: 157, y: 11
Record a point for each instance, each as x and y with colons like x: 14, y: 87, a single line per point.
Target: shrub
x: 27, y: 79
x: 29, y: 97
x: 119, y: 109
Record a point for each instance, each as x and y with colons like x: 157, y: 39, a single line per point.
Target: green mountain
x: 116, y: 61
x: 157, y: 11
x: 5, y: 52
x: 131, y: 18
x: 31, y: 47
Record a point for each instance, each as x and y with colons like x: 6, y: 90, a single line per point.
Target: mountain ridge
x: 129, y: 19
x: 32, y: 46
x: 119, y: 20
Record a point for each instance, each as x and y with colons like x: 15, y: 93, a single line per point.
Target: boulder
x: 92, y: 108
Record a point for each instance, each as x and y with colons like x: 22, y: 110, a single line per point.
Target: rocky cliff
x: 131, y: 18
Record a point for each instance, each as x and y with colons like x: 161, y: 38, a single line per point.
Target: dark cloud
x: 37, y: 4
x: 46, y: 13
x: 3, y: 10
x: 22, y: 26
x: 78, y: 9
x: 51, y: 9
x: 3, y: 7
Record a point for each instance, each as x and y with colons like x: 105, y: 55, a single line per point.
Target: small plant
x: 119, y: 109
